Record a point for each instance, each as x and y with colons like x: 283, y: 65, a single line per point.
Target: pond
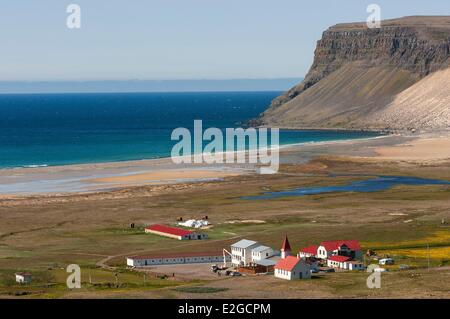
x: 379, y: 183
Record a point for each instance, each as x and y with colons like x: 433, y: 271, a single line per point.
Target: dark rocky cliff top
x: 412, y: 21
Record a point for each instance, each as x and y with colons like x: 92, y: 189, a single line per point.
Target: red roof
x: 310, y: 250
x: 288, y: 263
x: 339, y: 258
x: 335, y: 244
x: 286, y: 246
x: 169, y: 230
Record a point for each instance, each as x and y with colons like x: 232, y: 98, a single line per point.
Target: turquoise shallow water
x: 61, y: 129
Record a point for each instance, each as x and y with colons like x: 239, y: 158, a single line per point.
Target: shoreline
x: 107, y: 176
x: 168, y: 157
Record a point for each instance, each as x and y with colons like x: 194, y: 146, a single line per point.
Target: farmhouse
x: 344, y: 262
x: 23, y: 277
x: 174, y: 232
x: 291, y: 268
x: 337, y: 261
x: 241, y: 252
x: 171, y: 259
x: 310, y: 251
x: 348, y: 248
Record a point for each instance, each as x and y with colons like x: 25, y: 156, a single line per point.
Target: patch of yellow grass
x: 437, y: 237
x: 433, y: 252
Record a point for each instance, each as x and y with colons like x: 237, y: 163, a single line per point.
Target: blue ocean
x: 61, y: 129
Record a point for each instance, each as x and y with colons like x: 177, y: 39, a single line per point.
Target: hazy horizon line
x: 156, y: 80
x: 148, y: 86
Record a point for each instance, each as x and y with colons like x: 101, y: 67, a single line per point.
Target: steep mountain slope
x: 359, y: 72
x: 426, y: 104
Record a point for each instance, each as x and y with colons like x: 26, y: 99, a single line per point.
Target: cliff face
x: 358, y: 72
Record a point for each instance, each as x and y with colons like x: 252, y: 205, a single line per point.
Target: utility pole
x: 428, y: 256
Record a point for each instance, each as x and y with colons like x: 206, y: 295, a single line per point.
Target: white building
x: 292, y: 268
x: 171, y: 259
x: 349, y: 248
x: 23, y: 277
x: 261, y: 252
x: 310, y: 251
x: 194, y: 223
x: 337, y: 261
x: 344, y: 262
x: 241, y: 252
x: 354, y: 265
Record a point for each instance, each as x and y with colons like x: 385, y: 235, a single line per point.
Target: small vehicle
x: 386, y: 261
x: 235, y: 274
x: 214, y: 268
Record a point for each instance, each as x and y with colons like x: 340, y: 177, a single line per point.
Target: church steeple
x: 285, y: 248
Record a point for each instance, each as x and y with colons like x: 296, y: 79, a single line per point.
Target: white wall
x: 322, y: 253
x: 243, y: 255
x: 352, y: 266
x: 175, y: 260
x: 283, y: 274
x: 267, y: 253
x: 301, y: 267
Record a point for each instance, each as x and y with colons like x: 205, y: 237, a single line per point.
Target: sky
x: 176, y: 39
